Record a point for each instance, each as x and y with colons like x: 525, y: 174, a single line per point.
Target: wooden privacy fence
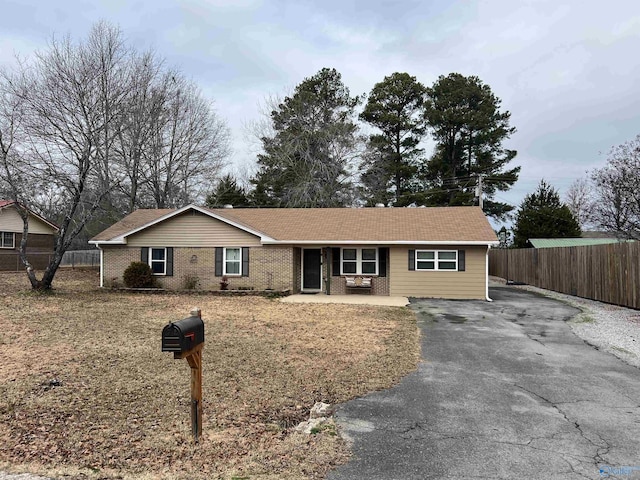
x: 607, y: 273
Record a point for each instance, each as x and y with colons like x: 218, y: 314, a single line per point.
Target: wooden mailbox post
x: 185, y: 338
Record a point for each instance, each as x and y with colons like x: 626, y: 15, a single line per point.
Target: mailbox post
x: 185, y: 338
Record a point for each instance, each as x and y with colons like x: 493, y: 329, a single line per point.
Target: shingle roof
x: 434, y: 224
x: 367, y: 224
x: 569, y: 242
x: 134, y: 220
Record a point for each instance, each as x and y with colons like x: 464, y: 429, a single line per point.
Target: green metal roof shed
x: 570, y: 242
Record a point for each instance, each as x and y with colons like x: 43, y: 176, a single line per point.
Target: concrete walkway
x: 377, y: 300
x: 505, y: 390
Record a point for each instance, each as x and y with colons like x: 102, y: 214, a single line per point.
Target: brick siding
x: 269, y: 267
x: 379, y: 286
x: 39, y: 252
x: 297, y: 270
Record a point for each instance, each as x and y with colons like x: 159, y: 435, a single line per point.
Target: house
x: 420, y: 252
x: 40, y: 240
x: 598, y: 234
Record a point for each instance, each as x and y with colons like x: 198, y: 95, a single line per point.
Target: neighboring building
x: 598, y: 234
x: 40, y: 240
x: 421, y: 252
x: 570, y: 242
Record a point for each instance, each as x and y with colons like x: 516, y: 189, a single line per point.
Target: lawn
x: 86, y: 392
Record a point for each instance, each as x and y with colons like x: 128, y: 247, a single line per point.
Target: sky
x: 568, y: 71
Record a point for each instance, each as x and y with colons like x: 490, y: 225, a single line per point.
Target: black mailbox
x: 183, y: 335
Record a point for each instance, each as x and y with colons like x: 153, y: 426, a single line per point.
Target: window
x: 7, y: 240
x: 158, y: 260
x: 359, y: 261
x: 425, y: 260
x: 436, y: 260
x: 369, y: 260
x: 349, y: 260
x: 232, y: 261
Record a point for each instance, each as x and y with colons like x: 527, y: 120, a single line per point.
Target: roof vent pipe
x: 228, y: 205
x: 379, y: 205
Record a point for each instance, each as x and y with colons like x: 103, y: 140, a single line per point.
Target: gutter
x: 379, y: 242
x: 97, y: 243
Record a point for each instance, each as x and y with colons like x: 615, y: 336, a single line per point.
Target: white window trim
x: 164, y: 262
x: 359, y: 260
x: 436, y: 260
x: 224, y: 262
x: 13, y: 240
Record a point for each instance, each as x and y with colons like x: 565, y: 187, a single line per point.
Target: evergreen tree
x: 306, y: 161
x: 396, y: 108
x: 227, y: 192
x: 469, y: 130
x: 542, y: 215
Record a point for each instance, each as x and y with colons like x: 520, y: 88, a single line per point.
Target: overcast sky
x: 568, y: 71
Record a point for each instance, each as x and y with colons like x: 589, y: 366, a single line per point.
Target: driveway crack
x: 531, y: 336
x: 602, y: 448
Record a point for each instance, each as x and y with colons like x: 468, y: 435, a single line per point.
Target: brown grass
x: 122, y: 409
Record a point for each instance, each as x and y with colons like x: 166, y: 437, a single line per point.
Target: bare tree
x: 617, y: 185
x: 95, y: 127
x: 70, y: 99
x: 187, y: 147
x: 144, y: 111
x: 579, y: 199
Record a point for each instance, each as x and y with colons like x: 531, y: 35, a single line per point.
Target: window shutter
x: 335, y: 262
x: 245, y: 261
x: 412, y: 259
x: 218, y: 269
x: 382, y: 261
x: 169, y: 271
x: 461, y: 261
x: 144, y: 255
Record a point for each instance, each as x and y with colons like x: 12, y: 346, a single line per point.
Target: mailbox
x: 183, y: 335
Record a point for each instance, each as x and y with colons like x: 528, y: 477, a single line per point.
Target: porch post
x: 329, y: 260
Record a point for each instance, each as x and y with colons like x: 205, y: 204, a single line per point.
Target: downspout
x: 101, y: 266
x: 486, y: 276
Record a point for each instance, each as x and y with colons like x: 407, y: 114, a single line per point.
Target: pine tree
x: 542, y: 215
x: 227, y: 192
x: 307, y: 160
x: 469, y: 130
x: 396, y: 108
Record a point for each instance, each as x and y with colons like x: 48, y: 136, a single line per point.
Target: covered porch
x: 342, y: 270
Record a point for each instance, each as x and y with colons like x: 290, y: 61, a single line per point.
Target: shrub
x: 139, y: 275
x: 190, y: 282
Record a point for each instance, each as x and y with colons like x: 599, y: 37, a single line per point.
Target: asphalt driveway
x: 505, y: 390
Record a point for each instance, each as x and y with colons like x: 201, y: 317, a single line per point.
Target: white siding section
x: 10, y: 221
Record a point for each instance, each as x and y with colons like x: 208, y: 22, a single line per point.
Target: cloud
x: 567, y: 70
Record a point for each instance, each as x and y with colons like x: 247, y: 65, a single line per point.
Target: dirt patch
x: 86, y: 391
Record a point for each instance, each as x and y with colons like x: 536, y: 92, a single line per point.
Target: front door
x: 311, y: 269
